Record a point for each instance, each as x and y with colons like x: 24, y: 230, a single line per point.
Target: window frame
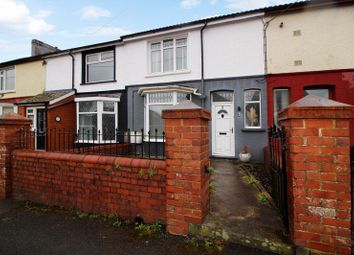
x: 4, y: 76
x: 274, y: 101
x: 147, y: 105
x: 2, y: 105
x: 99, y: 113
x: 161, y: 50
x: 85, y: 64
x: 260, y: 108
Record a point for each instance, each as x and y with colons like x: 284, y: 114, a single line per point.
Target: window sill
x: 97, y: 82
x: 253, y: 130
x: 7, y: 91
x: 167, y: 73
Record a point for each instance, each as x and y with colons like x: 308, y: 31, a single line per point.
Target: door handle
x: 232, y: 130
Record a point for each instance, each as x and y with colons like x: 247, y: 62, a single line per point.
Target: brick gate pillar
x: 9, y: 140
x: 318, y: 168
x: 187, y: 160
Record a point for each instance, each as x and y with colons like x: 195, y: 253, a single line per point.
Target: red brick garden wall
x: 99, y: 184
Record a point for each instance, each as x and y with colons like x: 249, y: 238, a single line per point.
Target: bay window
x: 162, y: 98
x: 7, y: 79
x: 252, y: 108
x: 97, y: 120
x: 168, y: 55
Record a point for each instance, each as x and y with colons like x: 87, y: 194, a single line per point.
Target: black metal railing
x: 277, y: 148
x: 129, y: 143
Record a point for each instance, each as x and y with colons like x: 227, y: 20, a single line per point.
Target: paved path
x: 237, y: 212
x: 37, y: 232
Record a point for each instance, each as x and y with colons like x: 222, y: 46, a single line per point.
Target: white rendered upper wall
x: 311, y: 40
x: 233, y: 49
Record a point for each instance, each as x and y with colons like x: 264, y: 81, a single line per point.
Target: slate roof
x: 46, y: 96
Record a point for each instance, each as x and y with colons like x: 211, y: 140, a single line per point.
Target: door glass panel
x: 223, y: 96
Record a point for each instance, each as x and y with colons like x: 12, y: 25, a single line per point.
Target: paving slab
x: 237, y: 214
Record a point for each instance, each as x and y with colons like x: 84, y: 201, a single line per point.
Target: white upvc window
x: 155, y: 103
x: 252, y: 108
x: 97, y: 120
x: 99, y: 66
x: 169, y: 55
x: 7, y: 79
x: 7, y: 108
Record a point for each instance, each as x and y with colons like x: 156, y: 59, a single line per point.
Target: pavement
x: 237, y: 214
x: 43, y: 230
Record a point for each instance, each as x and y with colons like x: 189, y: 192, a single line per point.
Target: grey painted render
x: 255, y: 139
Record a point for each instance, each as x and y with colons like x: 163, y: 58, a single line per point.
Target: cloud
x: 253, y: 4
x: 12, y: 50
x: 212, y: 2
x: 188, y: 4
x: 43, y: 14
x: 17, y: 17
x: 93, y: 12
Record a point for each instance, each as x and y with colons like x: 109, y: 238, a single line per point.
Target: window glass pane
x: 281, y: 100
x: 88, y: 126
x: 182, y: 97
x: 162, y: 97
x: 252, y: 95
x: 168, y: 43
x: 92, y: 57
x: 252, y: 115
x: 181, y: 42
x: 156, y: 46
x: 155, y: 61
x: 318, y: 92
x: 155, y: 120
x: 2, y: 82
x: 107, y: 55
x: 100, y: 71
x: 108, y: 106
x: 181, y: 58
x: 7, y: 109
x: 10, y: 79
x: 108, y: 127
x: 223, y: 96
x: 168, y: 60
x: 88, y: 106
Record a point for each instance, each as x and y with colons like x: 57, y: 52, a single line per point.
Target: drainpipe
x: 202, y: 97
x: 72, y: 71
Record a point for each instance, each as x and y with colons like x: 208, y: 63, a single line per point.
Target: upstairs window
x: 320, y: 92
x: 252, y: 101
x: 99, y: 66
x: 7, y: 79
x: 168, y: 55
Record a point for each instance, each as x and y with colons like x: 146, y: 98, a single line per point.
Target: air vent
x: 298, y: 62
x: 296, y: 32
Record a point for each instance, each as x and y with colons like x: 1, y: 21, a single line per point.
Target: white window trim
x: 260, y: 108
x: 174, y: 71
x: 8, y: 105
x: 147, y: 105
x: 98, y: 61
x: 99, y: 113
x: 10, y: 90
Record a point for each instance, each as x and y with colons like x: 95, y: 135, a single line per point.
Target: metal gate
x: 277, y: 148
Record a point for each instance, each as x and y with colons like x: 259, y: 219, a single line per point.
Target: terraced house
x: 244, y: 68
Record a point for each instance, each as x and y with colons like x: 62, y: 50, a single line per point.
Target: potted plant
x: 244, y: 155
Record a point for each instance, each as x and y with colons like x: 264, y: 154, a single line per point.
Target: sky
x: 68, y: 24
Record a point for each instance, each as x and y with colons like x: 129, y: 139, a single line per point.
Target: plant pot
x: 244, y: 157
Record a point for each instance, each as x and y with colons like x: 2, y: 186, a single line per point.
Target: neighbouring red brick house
x: 286, y: 88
